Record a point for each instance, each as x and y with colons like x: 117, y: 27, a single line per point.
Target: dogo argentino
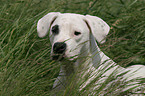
x: 74, y: 36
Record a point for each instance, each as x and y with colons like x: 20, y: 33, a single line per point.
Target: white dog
x: 74, y: 36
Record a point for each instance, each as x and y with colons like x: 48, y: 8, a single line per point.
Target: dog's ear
x: 45, y: 22
x: 98, y: 27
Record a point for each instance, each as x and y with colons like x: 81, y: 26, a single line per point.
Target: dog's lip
x: 58, y: 57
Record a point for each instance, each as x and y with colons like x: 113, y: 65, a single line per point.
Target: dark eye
x: 77, y: 33
x: 55, y: 29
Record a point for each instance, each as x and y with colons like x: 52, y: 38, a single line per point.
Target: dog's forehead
x: 74, y: 19
x: 70, y: 16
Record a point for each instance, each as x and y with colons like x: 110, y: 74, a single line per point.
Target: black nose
x: 59, y: 47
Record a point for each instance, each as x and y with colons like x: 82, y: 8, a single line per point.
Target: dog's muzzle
x: 59, y: 49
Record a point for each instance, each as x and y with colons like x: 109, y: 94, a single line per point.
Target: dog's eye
x: 55, y: 29
x: 77, y: 33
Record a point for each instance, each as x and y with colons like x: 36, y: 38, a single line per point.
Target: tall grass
x: 26, y: 67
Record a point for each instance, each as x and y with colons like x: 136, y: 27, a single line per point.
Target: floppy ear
x: 45, y: 22
x: 98, y: 27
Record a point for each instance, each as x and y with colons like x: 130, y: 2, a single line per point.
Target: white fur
x: 92, y: 28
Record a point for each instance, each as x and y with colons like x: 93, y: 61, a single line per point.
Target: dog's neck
x: 90, y: 54
x: 94, y: 52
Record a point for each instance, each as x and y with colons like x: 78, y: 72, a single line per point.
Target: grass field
x: 25, y: 65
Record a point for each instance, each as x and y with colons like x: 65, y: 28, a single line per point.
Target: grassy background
x: 25, y: 64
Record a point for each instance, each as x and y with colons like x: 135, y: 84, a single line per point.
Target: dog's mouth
x: 58, y: 57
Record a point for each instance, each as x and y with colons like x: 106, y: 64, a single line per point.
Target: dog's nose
x: 59, y: 47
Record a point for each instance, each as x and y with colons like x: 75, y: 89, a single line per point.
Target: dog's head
x: 70, y: 33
